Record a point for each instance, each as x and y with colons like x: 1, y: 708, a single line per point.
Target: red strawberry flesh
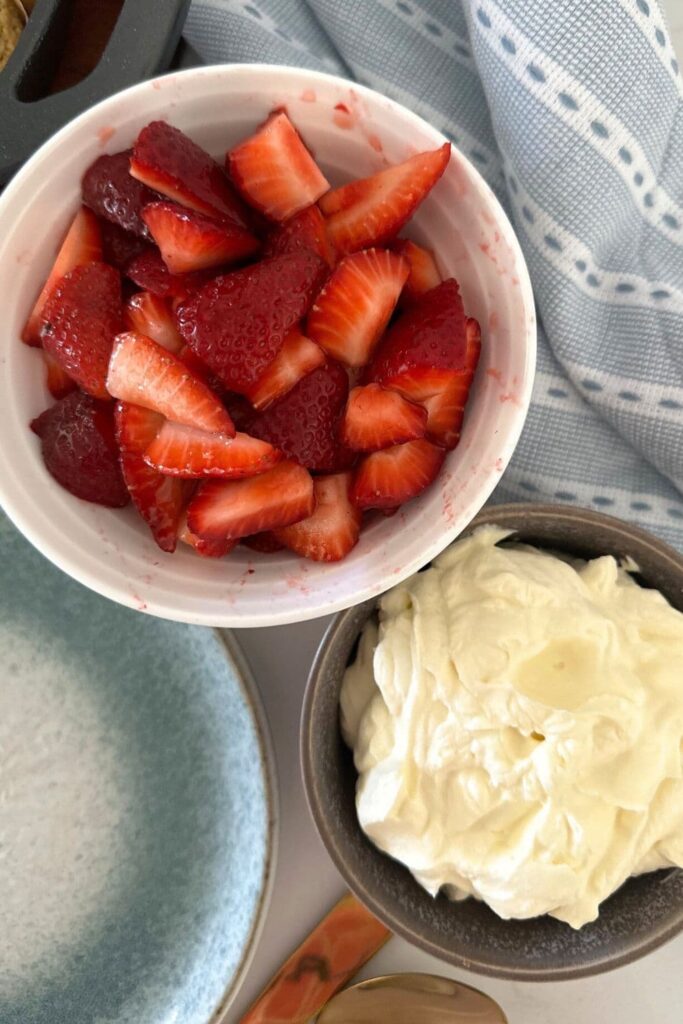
x: 377, y: 418
x: 237, y: 323
x: 58, y: 381
x: 353, y: 309
x: 186, y: 452
x: 144, y: 373
x: 110, y: 191
x: 148, y: 314
x: 265, y: 543
x: 237, y: 508
x: 80, y: 451
x: 334, y: 527
x: 119, y: 247
x: 297, y: 357
x: 373, y: 210
x: 191, y: 241
x: 205, y: 548
x: 393, y: 476
x: 165, y: 159
x: 274, y: 171
x: 424, y: 273
x: 80, y: 321
x: 147, y: 270
x: 159, y: 499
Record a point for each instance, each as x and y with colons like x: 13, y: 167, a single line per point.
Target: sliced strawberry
x: 80, y: 320
x: 307, y: 230
x: 58, y: 381
x: 142, y: 372
x: 184, y: 451
x: 274, y: 171
x: 150, y: 315
x: 333, y: 530
x: 110, y: 191
x: 237, y: 323
x: 191, y: 241
x: 444, y: 393
x: 376, y: 418
x: 201, y: 370
x: 393, y: 476
x: 429, y: 336
x: 373, y: 210
x: 119, y: 247
x: 265, y: 543
x: 148, y: 271
x: 159, y: 499
x: 305, y: 423
x: 205, y: 548
x: 297, y: 357
x: 167, y: 160
x: 351, y: 312
x: 80, y: 451
x: 237, y: 508
x: 82, y: 244
x: 424, y: 273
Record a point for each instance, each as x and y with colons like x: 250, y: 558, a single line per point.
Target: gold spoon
x: 411, y: 998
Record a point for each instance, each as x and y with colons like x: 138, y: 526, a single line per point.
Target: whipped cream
x: 517, y: 727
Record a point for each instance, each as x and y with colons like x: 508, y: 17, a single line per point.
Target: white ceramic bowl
x: 112, y: 551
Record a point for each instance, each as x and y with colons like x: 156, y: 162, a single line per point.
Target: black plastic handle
x: 141, y: 44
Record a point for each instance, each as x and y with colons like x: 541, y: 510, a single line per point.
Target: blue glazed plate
x: 136, y: 808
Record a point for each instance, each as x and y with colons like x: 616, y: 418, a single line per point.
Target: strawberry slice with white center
x: 424, y: 273
x: 185, y: 451
x: 205, y: 548
x: 373, y: 210
x: 237, y: 508
x: 142, y: 372
x: 82, y: 244
x: 159, y: 499
x: 171, y: 163
x: 297, y: 357
x: 307, y: 230
x: 274, y: 171
x: 393, y: 476
x: 376, y: 418
x: 351, y: 312
x: 58, y: 381
x: 151, y: 315
x: 333, y: 530
x: 192, y: 241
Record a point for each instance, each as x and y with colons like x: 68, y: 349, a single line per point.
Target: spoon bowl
x: 407, y: 998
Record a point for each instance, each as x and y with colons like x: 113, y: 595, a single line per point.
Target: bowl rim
x: 490, y: 515
x: 19, y: 509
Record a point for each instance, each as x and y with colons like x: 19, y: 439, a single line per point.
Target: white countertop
x: 307, y: 884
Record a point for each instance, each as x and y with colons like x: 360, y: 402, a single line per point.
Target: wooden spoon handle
x: 334, y: 951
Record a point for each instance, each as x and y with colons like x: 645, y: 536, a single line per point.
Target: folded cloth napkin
x: 573, y: 112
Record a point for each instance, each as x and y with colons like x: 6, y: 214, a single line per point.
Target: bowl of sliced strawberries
x: 268, y: 343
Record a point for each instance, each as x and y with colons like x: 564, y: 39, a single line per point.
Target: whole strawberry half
x: 237, y: 323
x: 305, y: 424
x: 110, y: 191
x: 165, y: 159
x: 429, y: 336
x: 80, y: 450
x: 80, y: 321
x: 159, y: 499
x: 82, y: 244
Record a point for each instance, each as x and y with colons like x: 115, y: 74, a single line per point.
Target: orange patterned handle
x: 334, y: 951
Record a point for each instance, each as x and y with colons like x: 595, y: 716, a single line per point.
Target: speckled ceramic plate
x: 136, y: 808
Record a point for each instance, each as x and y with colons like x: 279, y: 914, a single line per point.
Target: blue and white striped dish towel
x: 573, y: 112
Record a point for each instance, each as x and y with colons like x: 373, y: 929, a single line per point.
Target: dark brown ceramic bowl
x: 640, y: 916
